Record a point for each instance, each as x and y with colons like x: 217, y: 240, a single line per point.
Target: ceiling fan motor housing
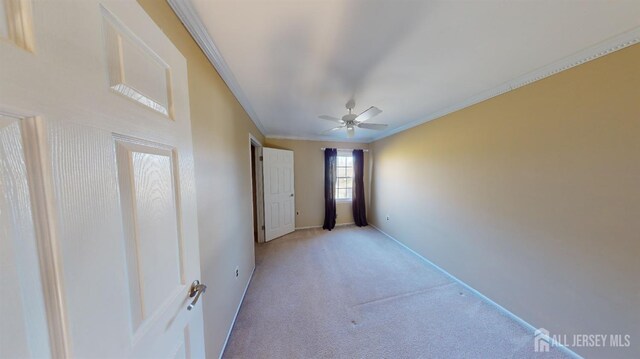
x: 349, y: 118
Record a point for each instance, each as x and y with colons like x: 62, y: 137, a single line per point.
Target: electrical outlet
x: 387, y: 217
x: 237, y: 271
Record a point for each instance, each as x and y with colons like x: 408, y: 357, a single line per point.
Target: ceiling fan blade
x: 372, y: 126
x: 331, y: 118
x: 331, y: 130
x: 369, y: 113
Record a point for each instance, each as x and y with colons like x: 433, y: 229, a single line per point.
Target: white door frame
x: 259, y: 205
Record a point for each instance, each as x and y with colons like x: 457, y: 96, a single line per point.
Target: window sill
x: 343, y: 200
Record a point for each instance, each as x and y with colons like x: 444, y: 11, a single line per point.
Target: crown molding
x: 606, y: 47
x: 319, y: 139
x: 190, y: 19
x: 188, y: 16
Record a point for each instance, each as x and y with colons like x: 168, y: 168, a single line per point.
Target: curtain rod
x: 346, y: 149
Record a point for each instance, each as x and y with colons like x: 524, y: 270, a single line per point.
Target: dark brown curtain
x: 330, y: 159
x: 357, y: 200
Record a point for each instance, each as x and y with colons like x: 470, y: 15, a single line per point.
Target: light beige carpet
x: 354, y: 293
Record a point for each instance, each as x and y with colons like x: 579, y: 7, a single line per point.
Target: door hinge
x: 262, y: 226
x: 261, y: 158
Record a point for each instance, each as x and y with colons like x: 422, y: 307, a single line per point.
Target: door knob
x: 195, y: 291
x: 291, y: 195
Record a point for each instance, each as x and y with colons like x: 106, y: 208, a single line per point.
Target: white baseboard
x: 233, y: 322
x: 309, y: 227
x: 521, y: 321
x: 337, y: 225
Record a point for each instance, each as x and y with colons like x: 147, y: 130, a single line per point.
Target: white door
x: 99, y: 241
x: 279, y: 197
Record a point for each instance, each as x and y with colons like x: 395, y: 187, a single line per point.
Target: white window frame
x: 347, y: 154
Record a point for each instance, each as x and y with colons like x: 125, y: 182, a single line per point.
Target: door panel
x: 280, y: 200
x: 153, y: 243
x: 23, y: 328
x: 287, y: 177
x: 15, y: 23
x: 274, y: 181
x: 135, y: 71
x: 109, y: 174
x: 275, y: 216
x: 288, y: 213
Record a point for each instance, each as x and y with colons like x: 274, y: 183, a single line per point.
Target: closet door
x: 279, y: 196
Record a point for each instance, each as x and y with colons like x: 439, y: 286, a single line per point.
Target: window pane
x: 342, y: 161
x: 342, y: 183
x: 349, y: 161
x: 342, y: 171
x: 343, y: 193
x: 348, y: 183
x: 349, y: 172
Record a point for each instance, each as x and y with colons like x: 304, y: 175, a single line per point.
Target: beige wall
x: 220, y: 130
x: 309, y: 180
x: 532, y: 198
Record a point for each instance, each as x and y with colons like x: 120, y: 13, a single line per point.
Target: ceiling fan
x: 351, y: 121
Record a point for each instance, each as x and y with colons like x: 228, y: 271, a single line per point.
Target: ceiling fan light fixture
x: 350, y: 131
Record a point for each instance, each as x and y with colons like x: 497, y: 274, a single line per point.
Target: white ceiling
x: 290, y: 61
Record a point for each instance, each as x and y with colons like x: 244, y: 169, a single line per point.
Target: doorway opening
x: 257, y: 199
x: 253, y: 192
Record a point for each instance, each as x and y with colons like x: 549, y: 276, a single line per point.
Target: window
x: 344, y: 177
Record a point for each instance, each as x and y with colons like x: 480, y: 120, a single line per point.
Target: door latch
x: 195, y: 291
